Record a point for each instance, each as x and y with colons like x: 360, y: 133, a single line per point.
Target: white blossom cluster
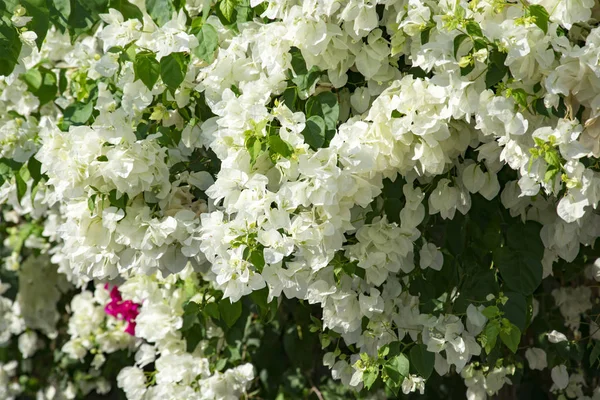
x: 124, y: 200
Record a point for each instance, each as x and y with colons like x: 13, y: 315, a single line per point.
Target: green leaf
x: 212, y: 310
x: 525, y: 237
x: 21, y: 186
x: 522, y: 272
x: 230, y: 312
x: 467, y: 70
x: 473, y: 29
x: 278, y: 146
x: 160, y: 10
x: 520, y: 97
x: 10, y: 46
x: 458, y: 41
x: 369, y: 377
x: 494, y: 75
x: 33, y: 78
x: 422, y: 360
x: 541, y: 16
x: 146, y: 68
x: 193, y: 336
x: 425, y: 35
x: 38, y: 10
x: 491, y: 312
x: 173, y: 69
x: 511, y: 337
x: 325, y: 105
x: 314, y: 132
x: 496, y: 68
x: 49, y: 88
x: 119, y: 202
x: 35, y: 169
x: 227, y: 8
x: 516, y: 309
x: 397, y: 368
x: 257, y: 259
x: 552, y: 158
x: 595, y: 354
x: 191, y: 310
x: 392, y: 208
x: 297, y: 62
x: 77, y: 113
x: 208, y: 40
x: 42, y: 83
x: 490, y: 335
x: 129, y: 11
x: 255, y: 147
x: 83, y: 14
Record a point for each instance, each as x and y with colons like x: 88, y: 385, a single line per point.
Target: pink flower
x: 124, y: 310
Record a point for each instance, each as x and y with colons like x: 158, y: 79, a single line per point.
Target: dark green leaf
x: 516, y: 309
x: 193, y: 336
x: 212, y: 310
x: 525, y: 237
x: 230, y: 312
x: 297, y: 62
x: 494, y: 74
x: 325, y: 105
x: 595, y: 354
x: 35, y: 169
x: 83, y: 14
x: 173, y: 69
x: 21, y: 186
x: 10, y: 46
x: 146, y: 68
x: 522, y: 272
x: 467, y: 70
x: 541, y: 16
x: 458, y: 41
x: 314, y: 132
x: 257, y: 259
x: 49, y: 88
x: 422, y: 360
x: 392, y: 207
x: 425, y: 35
x: 41, y: 18
x: 119, y: 202
x: 190, y: 314
x: 129, y: 11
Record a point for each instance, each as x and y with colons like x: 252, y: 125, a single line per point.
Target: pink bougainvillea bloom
x: 124, y: 310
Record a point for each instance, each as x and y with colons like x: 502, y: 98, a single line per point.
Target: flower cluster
x: 402, y: 187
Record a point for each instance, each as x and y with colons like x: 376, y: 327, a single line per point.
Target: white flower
x: 560, y: 377
x: 28, y: 343
x: 430, y: 256
x: 556, y: 337
x: 133, y: 382
x: 536, y: 358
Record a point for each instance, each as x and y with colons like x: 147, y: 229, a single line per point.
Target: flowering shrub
x: 299, y: 199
